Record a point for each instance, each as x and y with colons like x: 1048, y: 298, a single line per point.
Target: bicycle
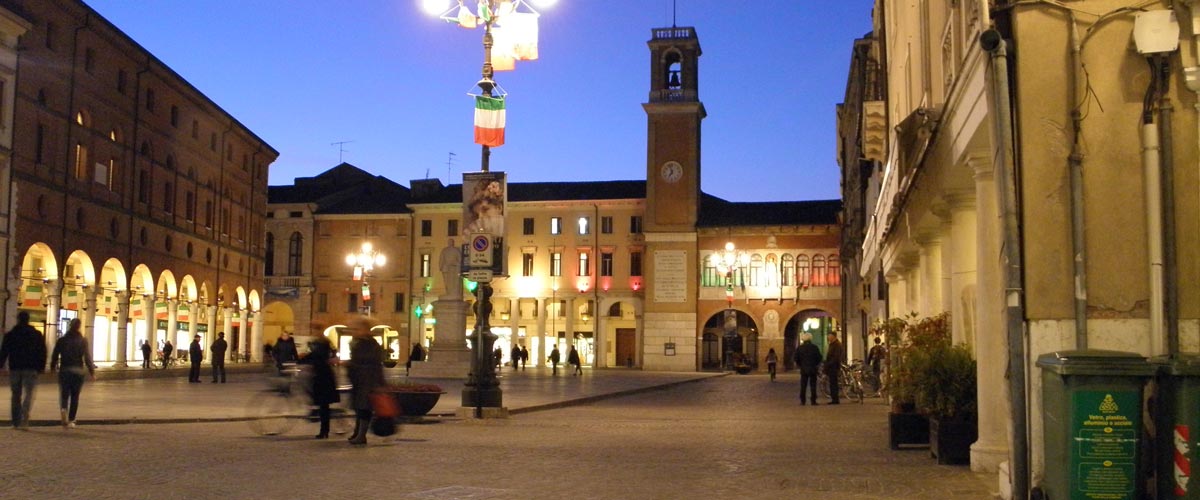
x: 276, y: 410
x: 849, y: 383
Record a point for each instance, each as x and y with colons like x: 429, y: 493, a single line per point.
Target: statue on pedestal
x: 450, y: 264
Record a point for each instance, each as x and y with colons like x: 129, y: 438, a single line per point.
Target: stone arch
x: 736, y: 333
x: 817, y: 322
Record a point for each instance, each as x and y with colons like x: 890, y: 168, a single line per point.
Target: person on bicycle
x: 808, y: 360
x: 833, y: 366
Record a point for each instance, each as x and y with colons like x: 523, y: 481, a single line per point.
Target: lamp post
x: 364, y: 262
x: 727, y: 262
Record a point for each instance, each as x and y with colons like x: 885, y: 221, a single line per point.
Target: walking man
x: 145, y: 354
x: 195, y: 355
x: 168, y: 350
x: 218, y: 357
x: 24, y: 350
x: 833, y: 366
x: 554, y: 357
x: 808, y: 360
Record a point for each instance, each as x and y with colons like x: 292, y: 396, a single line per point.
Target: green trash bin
x: 1092, y: 415
x: 1178, y: 427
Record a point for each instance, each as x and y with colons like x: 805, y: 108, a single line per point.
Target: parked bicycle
x: 849, y: 382
x: 285, y: 402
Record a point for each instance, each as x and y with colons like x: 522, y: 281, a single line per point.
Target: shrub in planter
x: 416, y: 399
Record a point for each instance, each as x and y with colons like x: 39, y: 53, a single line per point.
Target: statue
x: 449, y: 263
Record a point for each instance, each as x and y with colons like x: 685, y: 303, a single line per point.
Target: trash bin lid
x: 1096, y: 362
x: 1183, y: 364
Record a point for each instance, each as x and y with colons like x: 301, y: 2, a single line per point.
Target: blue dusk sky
x: 392, y: 82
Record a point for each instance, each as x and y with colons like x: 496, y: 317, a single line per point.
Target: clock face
x: 671, y: 171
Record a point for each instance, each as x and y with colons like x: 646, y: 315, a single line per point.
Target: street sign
x: 480, y: 254
x: 480, y: 275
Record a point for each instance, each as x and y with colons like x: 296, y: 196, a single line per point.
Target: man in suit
x: 218, y: 349
x: 833, y: 366
x: 195, y: 355
x: 808, y: 360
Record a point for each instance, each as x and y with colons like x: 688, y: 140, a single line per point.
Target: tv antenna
x: 673, y: 6
x: 341, y: 149
x: 449, y: 164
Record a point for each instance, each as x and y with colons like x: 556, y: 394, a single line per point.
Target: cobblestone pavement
x: 728, y: 437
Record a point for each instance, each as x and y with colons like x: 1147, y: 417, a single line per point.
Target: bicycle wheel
x: 272, y: 413
x: 822, y: 383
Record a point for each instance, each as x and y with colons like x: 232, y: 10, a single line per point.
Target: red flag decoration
x: 489, y: 120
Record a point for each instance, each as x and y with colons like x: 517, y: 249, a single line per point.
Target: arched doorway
x: 815, y: 322
x: 730, y: 337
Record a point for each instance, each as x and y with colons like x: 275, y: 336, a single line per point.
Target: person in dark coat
x: 553, y: 359
x: 24, y: 350
x: 145, y: 354
x: 516, y: 357
x: 284, y: 350
x: 808, y: 360
x: 71, y: 353
x: 366, y: 375
x: 195, y: 356
x: 168, y: 349
x: 321, y: 358
x: 417, y: 354
x: 218, y: 349
x: 833, y: 366
x: 573, y: 359
x: 524, y: 356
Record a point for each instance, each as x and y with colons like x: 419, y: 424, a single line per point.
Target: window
x: 756, y: 270
x: 452, y: 227
x: 709, y: 276
x: 189, y: 209
x: 121, y: 79
x: 169, y: 198
x: 269, y: 255
x: 635, y: 224
x: 527, y: 264
x: 606, y: 224
x: 787, y: 266
x: 174, y: 115
x: 208, y: 213
x: 109, y: 177
x: 426, y: 228
x: 556, y: 225
x: 322, y: 302
x: 195, y: 129
x: 555, y: 263
x: 585, y: 268
x: 143, y: 186
x: 818, y: 270
x: 528, y: 226
x: 352, y: 303
x: 635, y: 263
x: 89, y: 59
x: 584, y: 226
x: 296, y: 214
x: 835, y: 278
x: 802, y: 277
x: 295, y: 252
x: 40, y: 146
x: 606, y: 264
x: 212, y: 141
x: 425, y: 265
x: 81, y: 161
x: 150, y: 99
x: 398, y: 302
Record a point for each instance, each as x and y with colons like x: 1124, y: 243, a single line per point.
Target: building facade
x: 616, y: 269
x: 137, y: 202
x: 1028, y: 193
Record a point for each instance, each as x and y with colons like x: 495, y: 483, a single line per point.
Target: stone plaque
x: 670, y: 276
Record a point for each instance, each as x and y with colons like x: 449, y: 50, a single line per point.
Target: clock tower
x: 670, y: 333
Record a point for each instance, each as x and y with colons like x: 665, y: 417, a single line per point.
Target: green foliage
x: 926, y: 369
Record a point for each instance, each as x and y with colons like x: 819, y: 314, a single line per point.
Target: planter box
x: 950, y: 440
x: 415, y: 404
x: 908, y: 428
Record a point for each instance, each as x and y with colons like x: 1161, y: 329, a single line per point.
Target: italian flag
x: 489, y: 121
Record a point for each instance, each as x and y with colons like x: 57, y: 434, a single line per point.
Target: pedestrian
x: 366, y: 375
x: 195, y: 356
x: 498, y: 357
x: 875, y: 358
x: 284, y: 351
x: 218, y: 349
x: 573, y: 359
x: 417, y: 354
x: 516, y: 357
x: 24, y: 350
x: 772, y: 359
x: 145, y: 354
x: 71, y: 358
x: 808, y: 360
x: 833, y: 366
x: 321, y: 357
x: 524, y: 356
x: 553, y: 359
x: 168, y: 349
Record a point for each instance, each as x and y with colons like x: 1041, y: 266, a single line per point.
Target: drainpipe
x: 1001, y: 114
x: 1150, y: 168
x: 1170, y: 266
x: 1075, y: 164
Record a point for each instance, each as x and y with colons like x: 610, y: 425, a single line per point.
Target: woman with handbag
x: 366, y: 375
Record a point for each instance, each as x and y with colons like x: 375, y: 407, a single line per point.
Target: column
x: 568, y: 328
x: 52, y: 289
x: 227, y: 327
x: 514, y: 320
x: 88, y: 317
x: 990, y: 347
x: 929, y: 267
x: 539, y: 355
x: 253, y: 348
x: 256, y: 331
x: 600, y: 336
x: 193, y: 309
x: 173, y: 325
x: 961, y: 292
x: 122, y: 328
x: 148, y: 315
x: 211, y: 321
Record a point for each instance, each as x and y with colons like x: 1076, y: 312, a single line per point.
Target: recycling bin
x: 1178, y: 428
x: 1092, y: 416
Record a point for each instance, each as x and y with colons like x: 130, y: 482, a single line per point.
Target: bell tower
x: 673, y: 116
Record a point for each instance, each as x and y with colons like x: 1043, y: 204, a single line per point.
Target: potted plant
x: 415, y: 399
x: 906, y: 425
x: 946, y: 391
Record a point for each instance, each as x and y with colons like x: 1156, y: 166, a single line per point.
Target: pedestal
x: 449, y: 356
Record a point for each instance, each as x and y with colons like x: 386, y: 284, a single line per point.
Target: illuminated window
x: 556, y: 225
x: 555, y: 263
x: 585, y: 268
x: 527, y: 264
x: 81, y: 161
x: 606, y: 224
x: 584, y: 226
x: 425, y: 265
x: 787, y: 269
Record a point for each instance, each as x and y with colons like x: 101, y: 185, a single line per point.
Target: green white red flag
x: 489, y: 121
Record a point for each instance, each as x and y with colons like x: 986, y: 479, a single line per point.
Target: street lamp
x: 364, y: 261
x: 726, y: 262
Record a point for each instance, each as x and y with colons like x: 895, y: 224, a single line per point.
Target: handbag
x: 384, y: 405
